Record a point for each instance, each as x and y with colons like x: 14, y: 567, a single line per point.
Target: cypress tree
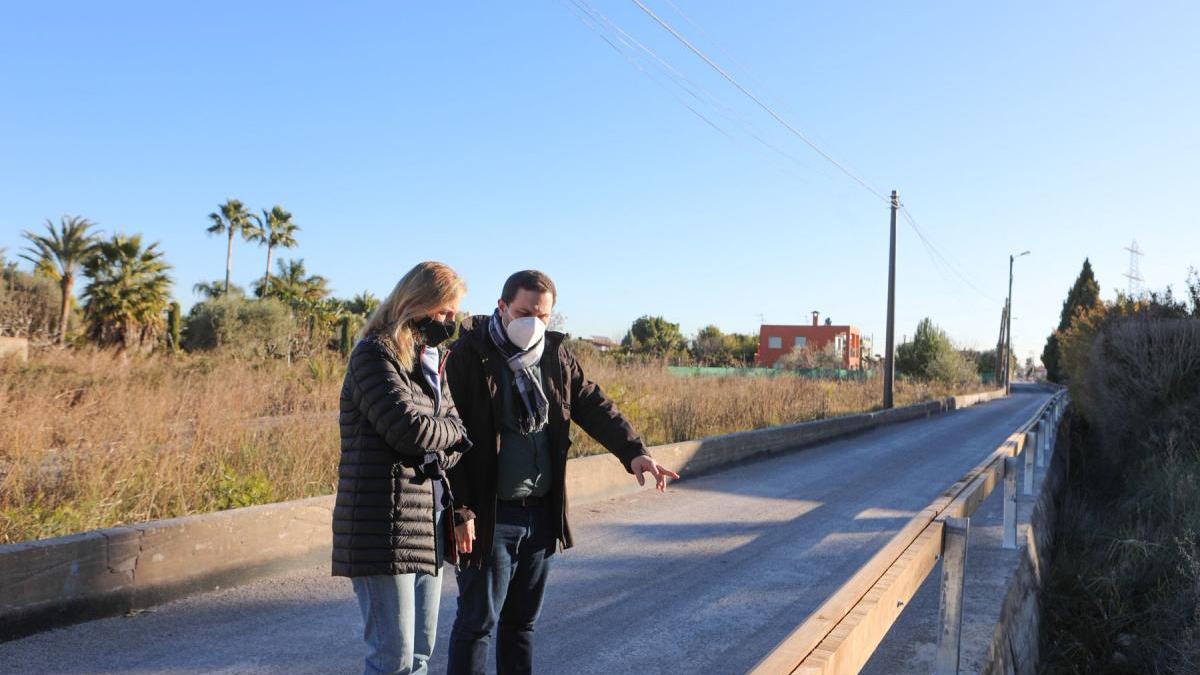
x: 1084, y: 293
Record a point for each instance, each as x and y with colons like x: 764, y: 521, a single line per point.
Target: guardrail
x: 843, y: 633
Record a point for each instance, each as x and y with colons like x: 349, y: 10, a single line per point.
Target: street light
x: 1008, y: 324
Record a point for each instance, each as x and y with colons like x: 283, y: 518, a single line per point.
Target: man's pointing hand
x: 644, y: 463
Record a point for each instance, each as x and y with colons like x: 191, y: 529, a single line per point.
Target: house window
x: 775, y: 342
x: 801, y: 342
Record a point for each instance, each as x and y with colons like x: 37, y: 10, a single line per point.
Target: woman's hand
x: 465, y: 535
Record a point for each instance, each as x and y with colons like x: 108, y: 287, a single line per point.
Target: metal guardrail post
x: 954, y: 560
x: 1043, y: 454
x: 1030, y: 458
x: 1010, y: 502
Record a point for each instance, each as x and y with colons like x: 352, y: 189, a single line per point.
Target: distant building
x: 774, y: 341
x: 602, y: 343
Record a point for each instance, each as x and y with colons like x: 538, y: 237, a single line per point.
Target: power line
x: 732, y: 59
x: 596, y: 20
x: 592, y: 19
x: 935, y: 256
x: 933, y: 250
x: 769, y: 110
x: 938, y: 259
x: 680, y: 80
x: 748, y: 126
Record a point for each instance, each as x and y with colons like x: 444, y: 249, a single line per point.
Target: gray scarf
x: 536, y: 409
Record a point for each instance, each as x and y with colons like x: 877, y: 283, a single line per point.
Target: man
x: 517, y: 390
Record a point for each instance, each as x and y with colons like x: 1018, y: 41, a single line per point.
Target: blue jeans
x: 400, y: 615
x: 507, y: 591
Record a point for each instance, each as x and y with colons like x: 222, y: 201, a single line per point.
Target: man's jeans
x: 400, y: 615
x: 509, y: 588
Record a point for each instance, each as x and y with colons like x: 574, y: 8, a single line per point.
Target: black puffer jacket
x: 384, y: 514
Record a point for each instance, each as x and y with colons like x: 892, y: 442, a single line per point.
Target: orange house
x: 776, y: 340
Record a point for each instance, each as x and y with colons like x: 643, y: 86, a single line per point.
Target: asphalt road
x: 706, y: 578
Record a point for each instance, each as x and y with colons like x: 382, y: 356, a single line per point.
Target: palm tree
x: 58, y: 254
x: 325, y: 312
x: 294, y: 285
x: 210, y: 290
x: 362, y: 304
x: 128, y: 293
x: 276, y: 230
x: 233, y: 218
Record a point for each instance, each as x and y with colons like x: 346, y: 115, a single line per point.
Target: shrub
x: 1144, y: 379
x: 583, y: 350
x: 913, y: 357
x: 951, y: 367
x: 931, y: 357
x: 29, y: 304
x: 654, y: 335
x: 1123, y: 591
x: 1076, y: 357
x: 231, y: 490
x: 808, y: 358
x: 243, y: 327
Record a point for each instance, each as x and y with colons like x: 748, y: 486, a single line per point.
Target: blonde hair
x: 426, y: 287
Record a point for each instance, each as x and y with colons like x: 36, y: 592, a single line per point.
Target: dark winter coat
x: 383, y: 519
x: 472, y: 369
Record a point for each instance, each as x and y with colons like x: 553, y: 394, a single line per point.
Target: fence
x: 840, y: 636
x: 814, y: 373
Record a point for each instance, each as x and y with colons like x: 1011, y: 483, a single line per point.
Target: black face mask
x: 433, y: 333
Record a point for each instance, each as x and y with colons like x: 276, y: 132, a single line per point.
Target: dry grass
x: 89, y: 439
x: 668, y: 409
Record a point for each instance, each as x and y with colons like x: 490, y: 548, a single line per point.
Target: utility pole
x: 999, y: 380
x: 1007, y: 334
x: 1008, y: 326
x: 889, y: 358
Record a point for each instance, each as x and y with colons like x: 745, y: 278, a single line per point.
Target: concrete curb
x: 1014, y: 648
x: 65, y: 580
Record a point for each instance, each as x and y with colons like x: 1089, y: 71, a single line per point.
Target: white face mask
x: 526, y: 331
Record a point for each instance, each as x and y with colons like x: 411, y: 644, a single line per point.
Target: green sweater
x: 523, y: 468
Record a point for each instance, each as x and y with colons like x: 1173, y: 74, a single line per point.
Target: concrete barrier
x: 14, y: 347
x: 65, y: 580
x: 598, y: 477
x: 1014, y: 648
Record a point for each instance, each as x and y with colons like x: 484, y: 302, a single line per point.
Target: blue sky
x: 500, y: 136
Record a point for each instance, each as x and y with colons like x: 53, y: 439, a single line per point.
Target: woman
x: 400, y: 433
